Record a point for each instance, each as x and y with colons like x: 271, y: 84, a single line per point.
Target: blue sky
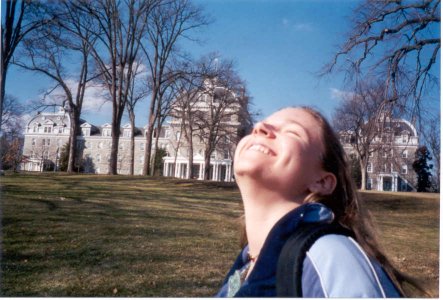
x: 278, y: 47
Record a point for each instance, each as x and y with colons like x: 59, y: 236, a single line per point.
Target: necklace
x: 252, y: 258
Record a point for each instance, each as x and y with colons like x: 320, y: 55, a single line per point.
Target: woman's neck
x: 263, y: 209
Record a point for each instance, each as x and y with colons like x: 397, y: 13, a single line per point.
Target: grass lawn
x: 78, y: 235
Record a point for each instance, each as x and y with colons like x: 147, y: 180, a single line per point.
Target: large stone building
x: 46, y: 133
x: 392, y: 154
x: 389, y: 167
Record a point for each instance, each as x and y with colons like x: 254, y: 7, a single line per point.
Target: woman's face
x: 283, y: 152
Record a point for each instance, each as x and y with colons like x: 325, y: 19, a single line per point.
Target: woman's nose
x: 262, y: 128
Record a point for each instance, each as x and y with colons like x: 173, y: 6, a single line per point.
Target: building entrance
x: 387, y: 184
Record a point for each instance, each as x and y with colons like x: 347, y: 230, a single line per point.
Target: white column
x: 201, y: 171
x: 228, y: 172
x: 213, y: 172
x: 177, y: 170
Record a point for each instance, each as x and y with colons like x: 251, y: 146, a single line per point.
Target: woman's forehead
x: 289, y: 115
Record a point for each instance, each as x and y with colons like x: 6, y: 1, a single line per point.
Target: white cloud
x: 95, y: 99
x: 303, y: 27
x: 297, y: 26
x: 340, y: 94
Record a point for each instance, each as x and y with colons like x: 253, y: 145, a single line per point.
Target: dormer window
x: 405, y: 138
x: 107, y: 132
x: 86, y: 131
x: 48, y: 129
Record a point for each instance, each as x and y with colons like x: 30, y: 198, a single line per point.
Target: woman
x: 291, y: 169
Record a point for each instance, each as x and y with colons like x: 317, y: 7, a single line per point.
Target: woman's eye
x: 292, y: 132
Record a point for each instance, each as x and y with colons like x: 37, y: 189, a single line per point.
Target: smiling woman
x: 291, y: 170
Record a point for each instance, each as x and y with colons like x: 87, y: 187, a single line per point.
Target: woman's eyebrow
x: 298, y: 125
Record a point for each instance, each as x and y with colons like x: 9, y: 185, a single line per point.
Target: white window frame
x: 404, y: 169
x: 369, y: 168
x: 404, y: 154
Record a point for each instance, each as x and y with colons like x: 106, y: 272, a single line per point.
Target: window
x: 127, y: 133
x: 46, y: 142
x: 142, y: 146
x: 405, y: 138
x: 33, y: 142
x: 142, y: 159
x: 404, y: 169
x: 369, y: 168
x: 32, y: 154
x: 86, y: 131
x: 384, y: 153
x: 369, y: 184
x: 385, y: 168
x: 404, y: 154
x: 48, y: 129
x: 371, y: 154
x: 107, y: 132
x: 98, y: 157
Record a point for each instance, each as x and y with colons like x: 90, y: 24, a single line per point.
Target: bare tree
x: 167, y: 94
x: 11, y: 152
x: 47, y: 50
x: 11, y: 139
x: 169, y: 21
x: 397, y: 40
x: 220, y: 95
x: 11, y: 119
x: 189, y: 85
x: 138, y: 90
x: 120, y: 28
x: 20, y: 18
x: 432, y: 137
x: 357, y: 120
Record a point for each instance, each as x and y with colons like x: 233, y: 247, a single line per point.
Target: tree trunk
x: 75, y: 120
x: 363, y: 169
x: 132, y: 144
x: 114, y: 149
x: 146, y: 167
x: 191, y: 160
x: 2, y: 95
x: 154, y: 156
x: 207, y: 163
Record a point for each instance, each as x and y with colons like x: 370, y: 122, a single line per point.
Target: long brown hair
x: 347, y: 206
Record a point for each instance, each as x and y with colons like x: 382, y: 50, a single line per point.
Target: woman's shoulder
x: 336, y: 266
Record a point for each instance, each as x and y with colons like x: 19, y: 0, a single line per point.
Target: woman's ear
x: 324, y: 185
